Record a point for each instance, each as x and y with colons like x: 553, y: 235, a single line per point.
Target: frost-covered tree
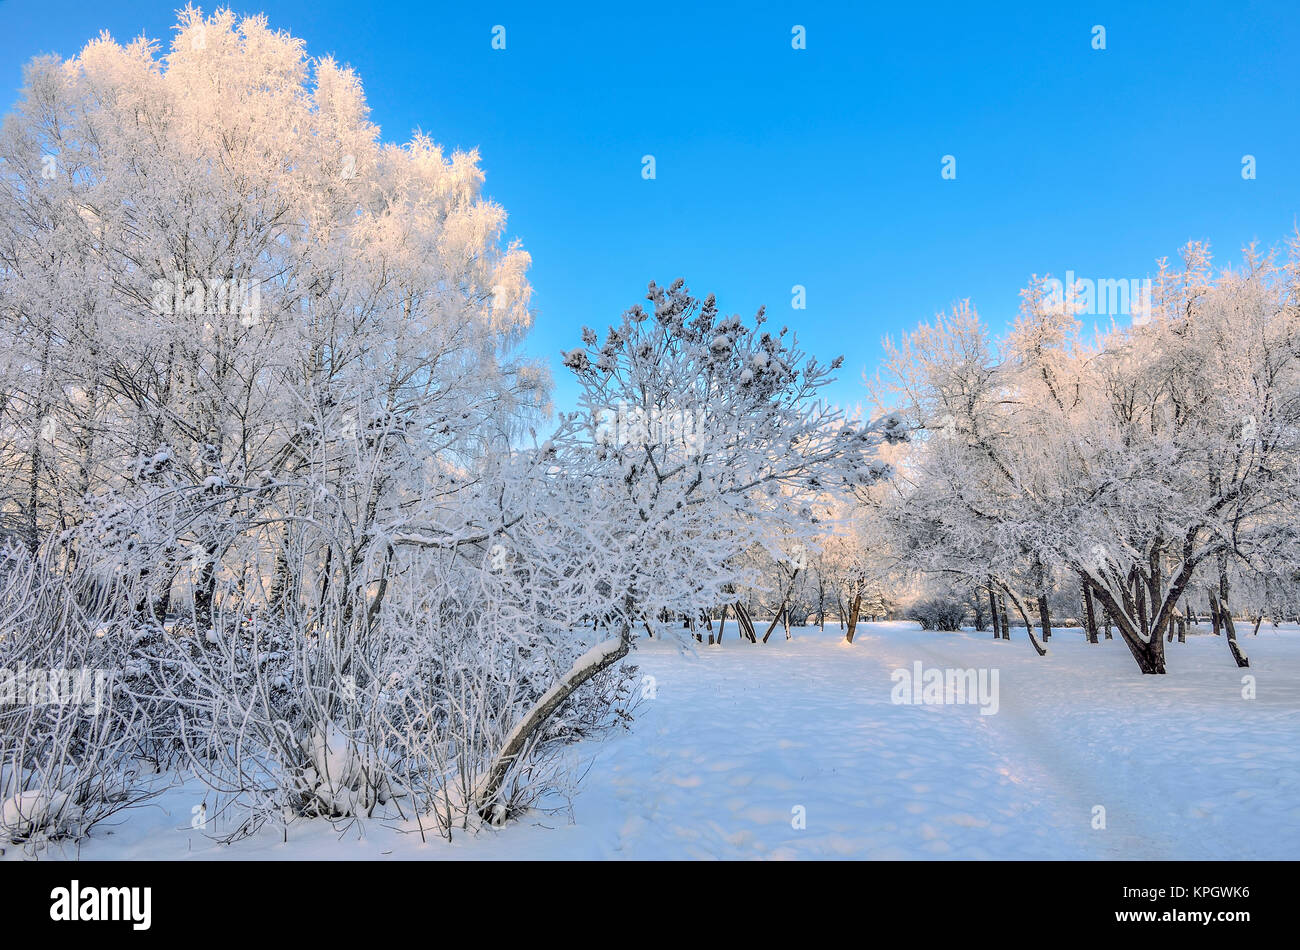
x: 699, y: 437
x: 219, y: 282
x: 247, y: 347
x: 1135, y: 463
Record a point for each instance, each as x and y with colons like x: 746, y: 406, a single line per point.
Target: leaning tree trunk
x: 1149, y: 653
x: 1148, y: 648
x: 772, y: 626
x: 853, y: 617
x: 785, y: 599
x: 1238, y: 654
x: 595, y: 660
x: 1029, y: 627
x: 1089, y: 614
x: 1140, y: 598
x: 745, y: 623
x: 722, y: 624
x: 1044, y: 617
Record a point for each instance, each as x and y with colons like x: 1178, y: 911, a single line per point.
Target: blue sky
x: 819, y: 167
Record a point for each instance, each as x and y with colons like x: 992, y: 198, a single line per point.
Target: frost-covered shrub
x: 343, y: 713
x: 67, y: 741
x: 938, y: 613
x: 471, y: 668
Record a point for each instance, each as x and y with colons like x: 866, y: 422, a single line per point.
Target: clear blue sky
x: 819, y: 167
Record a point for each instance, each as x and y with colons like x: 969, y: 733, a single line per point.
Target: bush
x: 67, y: 739
x: 937, y: 613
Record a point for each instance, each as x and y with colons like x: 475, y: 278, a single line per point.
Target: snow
x: 737, y: 738
x: 36, y: 809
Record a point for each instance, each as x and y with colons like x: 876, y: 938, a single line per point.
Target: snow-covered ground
x: 740, y: 741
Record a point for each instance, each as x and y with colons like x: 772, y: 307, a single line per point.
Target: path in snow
x: 739, y: 736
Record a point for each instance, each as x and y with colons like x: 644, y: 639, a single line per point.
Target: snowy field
x: 738, y: 738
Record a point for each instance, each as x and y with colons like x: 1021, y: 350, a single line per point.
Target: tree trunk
x: 1089, y: 614
x: 1006, y: 624
x: 1148, y: 648
x: 772, y: 626
x: 1238, y: 654
x: 745, y: 623
x: 204, y: 591
x: 1029, y: 627
x: 785, y: 599
x: 1140, y: 597
x: 722, y: 624
x: 584, y: 668
x: 853, y: 617
x: 280, y: 581
x: 1044, y: 617
x: 993, y: 612
x: 1223, y: 585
